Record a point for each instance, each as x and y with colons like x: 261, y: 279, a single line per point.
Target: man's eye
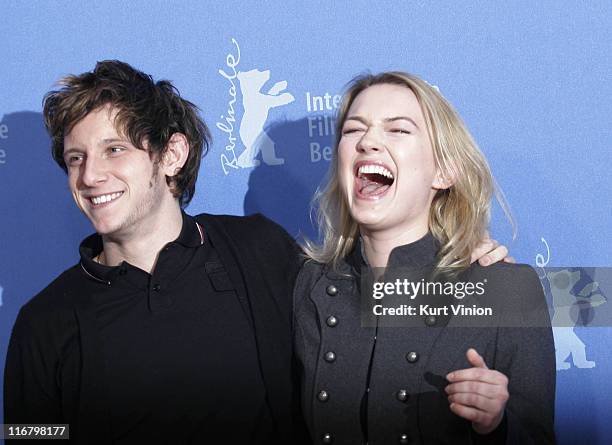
x: 351, y: 130
x: 400, y: 131
x: 116, y: 149
x: 74, y: 159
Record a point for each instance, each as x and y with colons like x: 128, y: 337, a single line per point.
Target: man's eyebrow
x: 72, y: 150
x: 112, y: 140
x: 102, y: 142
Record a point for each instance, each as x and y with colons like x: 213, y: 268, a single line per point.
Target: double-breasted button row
x: 331, y: 321
x: 331, y: 290
x: 330, y: 357
x: 431, y: 320
x: 402, y: 395
x: 412, y: 357
x: 323, y: 396
x: 327, y: 438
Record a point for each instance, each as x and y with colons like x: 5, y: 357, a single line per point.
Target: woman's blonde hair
x: 458, y: 216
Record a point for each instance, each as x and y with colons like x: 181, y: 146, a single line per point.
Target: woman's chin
x: 370, y: 222
x: 370, y: 213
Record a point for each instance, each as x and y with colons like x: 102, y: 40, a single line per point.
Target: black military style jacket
x: 369, y: 383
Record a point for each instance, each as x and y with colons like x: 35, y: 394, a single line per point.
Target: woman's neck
x: 379, y: 244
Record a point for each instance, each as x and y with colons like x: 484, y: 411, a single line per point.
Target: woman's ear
x: 443, y: 180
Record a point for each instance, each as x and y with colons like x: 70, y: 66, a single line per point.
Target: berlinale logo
x: 257, y: 105
x: 574, y: 294
x: 3, y: 136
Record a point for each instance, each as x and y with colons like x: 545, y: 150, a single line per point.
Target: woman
x: 409, y: 188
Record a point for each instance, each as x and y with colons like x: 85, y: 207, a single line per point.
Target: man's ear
x: 175, y: 155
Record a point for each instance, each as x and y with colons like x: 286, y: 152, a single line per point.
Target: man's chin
x: 104, y: 228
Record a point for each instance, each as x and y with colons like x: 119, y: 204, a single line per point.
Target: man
x: 172, y: 328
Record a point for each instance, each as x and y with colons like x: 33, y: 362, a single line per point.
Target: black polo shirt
x: 180, y: 358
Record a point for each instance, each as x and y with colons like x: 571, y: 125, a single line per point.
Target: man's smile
x: 103, y: 199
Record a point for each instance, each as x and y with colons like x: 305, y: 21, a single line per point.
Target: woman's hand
x: 478, y: 394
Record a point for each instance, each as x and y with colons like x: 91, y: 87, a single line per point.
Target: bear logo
x: 257, y: 106
x: 571, y: 307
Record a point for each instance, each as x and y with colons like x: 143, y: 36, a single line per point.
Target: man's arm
x: 31, y: 394
x: 489, y: 251
x: 532, y: 371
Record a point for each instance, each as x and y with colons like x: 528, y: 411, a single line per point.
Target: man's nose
x: 93, y: 172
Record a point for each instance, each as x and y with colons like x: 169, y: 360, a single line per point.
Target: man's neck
x: 142, y: 249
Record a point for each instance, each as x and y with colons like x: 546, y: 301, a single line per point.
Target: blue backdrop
x: 531, y: 79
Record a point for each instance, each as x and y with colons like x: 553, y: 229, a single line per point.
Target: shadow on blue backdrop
x: 283, y: 193
x: 40, y: 227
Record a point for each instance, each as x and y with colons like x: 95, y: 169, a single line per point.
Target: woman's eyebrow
x: 400, y: 118
x: 356, y: 118
x: 386, y: 120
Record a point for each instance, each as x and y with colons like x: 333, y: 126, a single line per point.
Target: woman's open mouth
x: 372, y: 180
